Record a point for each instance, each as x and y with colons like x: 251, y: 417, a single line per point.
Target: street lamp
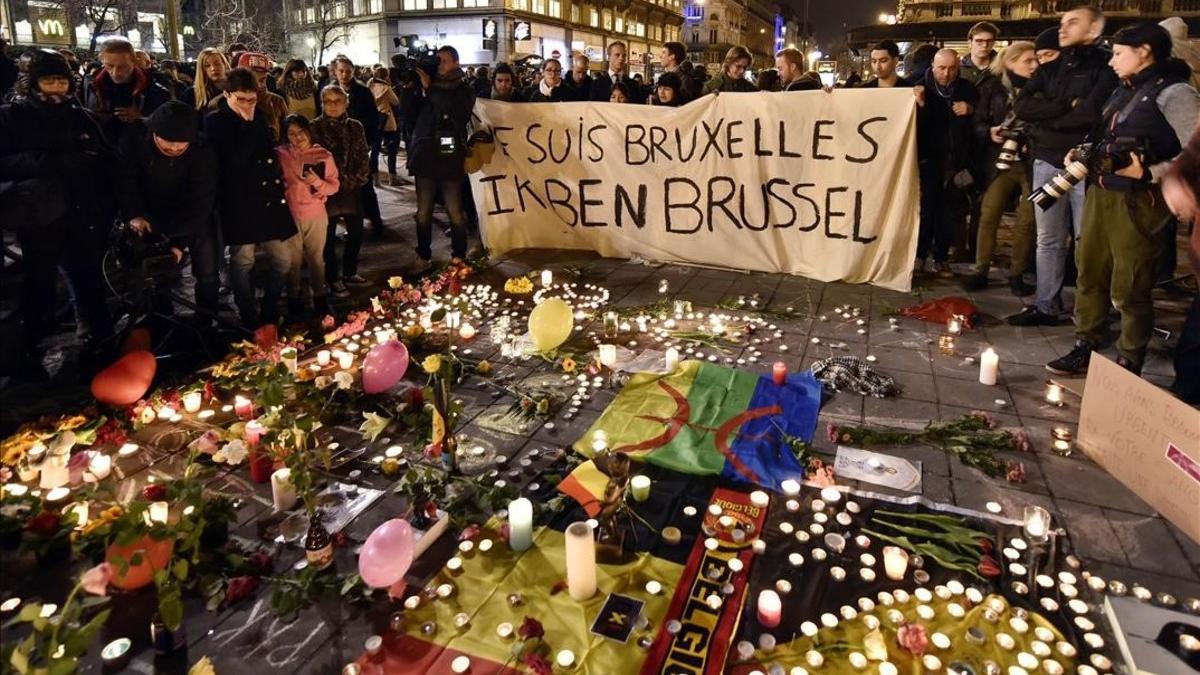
x: 883, y: 17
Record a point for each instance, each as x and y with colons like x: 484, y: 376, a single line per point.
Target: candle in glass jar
x: 192, y: 401
x: 243, y: 406
x: 467, y: 331
x: 779, y: 373
x: 770, y: 608
x: 323, y: 357
x: 1054, y: 393
x: 895, y: 562
x: 989, y: 365
x: 345, y: 360
x: 283, y: 493
x: 100, y: 465
x: 520, y: 524
x: 159, y: 512
x: 253, y: 432
x: 547, y: 278
x: 608, y: 355
x: 954, y: 325
x: 166, y: 412
x: 581, y: 561
x: 672, y: 359
x: 1037, y: 523
x: 639, y: 487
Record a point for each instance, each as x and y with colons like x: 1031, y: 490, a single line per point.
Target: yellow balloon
x: 550, y: 324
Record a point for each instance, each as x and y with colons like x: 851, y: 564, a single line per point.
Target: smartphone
x: 318, y: 169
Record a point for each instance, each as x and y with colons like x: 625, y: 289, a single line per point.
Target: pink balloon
x: 384, y: 366
x: 387, y: 554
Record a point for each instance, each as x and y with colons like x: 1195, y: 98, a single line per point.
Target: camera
x: 1116, y: 151
x: 414, y: 54
x: 145, y: 256
x: 1013, y: 133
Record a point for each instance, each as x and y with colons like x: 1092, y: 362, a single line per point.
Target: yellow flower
x: 569, y: 365
x: 202, y: 667
x: 72, y: 422
x: 395, y: 282
x: 484, y: 368
x: 432, y: 364
x: 413, y: 331
x: 518, y: 285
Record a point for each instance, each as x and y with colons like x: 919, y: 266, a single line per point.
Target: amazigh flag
x: 703, y: 419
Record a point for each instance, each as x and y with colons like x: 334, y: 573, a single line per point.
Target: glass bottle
x: 318, y: 546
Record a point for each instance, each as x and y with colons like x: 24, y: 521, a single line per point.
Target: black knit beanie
x: 174, y: 121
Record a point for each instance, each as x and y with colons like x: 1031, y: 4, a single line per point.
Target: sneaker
x: 356, y: 280
x: 1128, y: 364
x: 1032, y: 316
x: 1019, y: 288
x: 943, y: 270
x: 975, y: 282
x: 339, y: 289
x: 1074, y: 363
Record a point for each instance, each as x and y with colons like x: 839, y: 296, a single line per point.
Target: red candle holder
x: 779, y: 373
x: 261, y: 465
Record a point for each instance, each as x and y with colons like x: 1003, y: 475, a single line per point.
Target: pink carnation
x: 912, y: 637
x: 95, y: 580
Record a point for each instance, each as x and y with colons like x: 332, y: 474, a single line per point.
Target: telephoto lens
x: 1046, y: 195
x: 1010, y: 153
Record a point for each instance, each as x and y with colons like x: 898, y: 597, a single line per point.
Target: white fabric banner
x: 813, y: 183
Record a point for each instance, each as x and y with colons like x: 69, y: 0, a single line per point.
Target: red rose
x: 988, y: 566
x: 469, y: 532
x: 531, y: 628
x: 455, y: 287
x: 154, y: 492
x: 240, y: 588
x: 986, y: 545
x: 912, y: 637
x: 260, y: 561
x: 44, y: 524
x: 537, y: 664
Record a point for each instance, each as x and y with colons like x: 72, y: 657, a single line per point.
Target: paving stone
x: 1091, y: 533
x: 1149, y: 544
x: 1083, y: 481
x: 975, y: 494
x: 915, y: 386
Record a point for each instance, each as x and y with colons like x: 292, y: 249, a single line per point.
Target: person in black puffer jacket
x: 166, y: 185
x: 1062, y: 104
x: 250, y: 201
x: 441, y: 109
x: 54, y: 193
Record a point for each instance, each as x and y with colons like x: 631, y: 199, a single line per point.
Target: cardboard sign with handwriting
x: 1145, y: 437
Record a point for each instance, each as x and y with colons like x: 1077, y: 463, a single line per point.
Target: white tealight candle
x: 467, y: 331
x: 672, y: 359
x: 895, y: 562
x: 345, y: 360
x: 989, y: 365
x: 639, y: 487
x: 159, y: 511
x: 760, y: 499
x: 547, y: 278
x: 831, y: 495
x: 100, y: 465
x: 653, y: 587
x: 460, y: 664
x: 770, y: 608
x: 323, y: 357
x: 283, y: 493
x: 128, y: 450
x: 565, y: 658
x: 790, y: 487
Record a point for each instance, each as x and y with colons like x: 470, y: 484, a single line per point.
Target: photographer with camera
x: 1061, y: 104
x: 1148, y: 120
x: 1005, y: 165
x: 441, y: 110
x: 166, y: 186
x: 250, y: 199
x: 54, y: 195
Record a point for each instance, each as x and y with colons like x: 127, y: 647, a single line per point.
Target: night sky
x: 828, y: 16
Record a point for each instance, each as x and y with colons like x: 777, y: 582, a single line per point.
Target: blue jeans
x: 241, y: 263
x: 1055, y: 228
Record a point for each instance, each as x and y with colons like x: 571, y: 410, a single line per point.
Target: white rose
x: 343, y: 379
x: 234, y: 452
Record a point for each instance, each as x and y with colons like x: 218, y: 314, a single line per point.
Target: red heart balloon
x: 127, y: 380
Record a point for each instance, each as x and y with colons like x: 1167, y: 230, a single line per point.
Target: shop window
x: 445, y: 4
x: 539, y: 6
x: 608, y: 20
x: 574, y: 13
x: 620, y: 24
x: 712, y: 35
x: 556, y: 9
x: 411, y: 5
x: 309, y: 15
x: 593, y: 17
x: 522, y: 5
x: 375, y: 6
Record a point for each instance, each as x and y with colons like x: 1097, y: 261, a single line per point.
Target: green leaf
x: 181, y: 569
x: 30, y: 612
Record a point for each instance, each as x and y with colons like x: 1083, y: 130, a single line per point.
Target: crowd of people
x: 236, y: 158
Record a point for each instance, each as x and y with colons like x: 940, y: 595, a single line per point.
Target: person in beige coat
x: 389, y: 137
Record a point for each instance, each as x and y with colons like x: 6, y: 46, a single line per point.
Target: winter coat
x: 362, y: 108
x: 176, y: 194
x: 344, y: 139
x: 602, y: 86
x: 996, y: 95
x: 385, y: 103
x: 275, y: 109
x: 806, y: 82
x: 578, y: 91
x: 873, y: 83
x: 723, y: 83
x: 53, y: 159
x: 307, y: 202
x: 104, y: 95
x: 514, y: 96
x: 442, y: 111
x: 557, y: 95
x: 943, y: 136
x: 250, y: 200
x: 214, y: 95
x: 1064, y: 99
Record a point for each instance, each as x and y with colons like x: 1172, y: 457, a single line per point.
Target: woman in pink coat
x: 310, y: 176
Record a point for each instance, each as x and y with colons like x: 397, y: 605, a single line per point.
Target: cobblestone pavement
x: 1118, y: 534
